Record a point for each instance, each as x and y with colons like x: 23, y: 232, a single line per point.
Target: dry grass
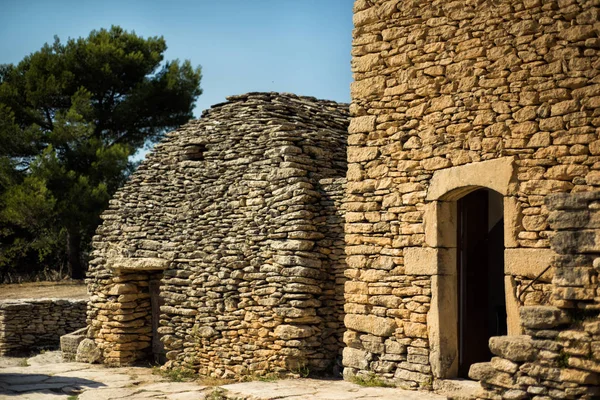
x: 35, y: 290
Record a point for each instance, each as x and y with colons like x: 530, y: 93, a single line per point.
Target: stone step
x: 458, y: 389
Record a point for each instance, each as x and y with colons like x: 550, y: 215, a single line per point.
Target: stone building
x: 472, y: 196
x: 224, y: 252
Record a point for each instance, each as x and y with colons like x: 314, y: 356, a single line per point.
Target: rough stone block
x: 543, y: 317
x: 529, y: 262
x: 142, y: 264
x: 372, y: 324
x: 429, y: 261
x: 362, y: 124
x: 88, y: 352
x: 514, y: 348
x: 356, y: 358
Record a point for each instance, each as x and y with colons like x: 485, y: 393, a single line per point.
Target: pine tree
x: 71, y: 115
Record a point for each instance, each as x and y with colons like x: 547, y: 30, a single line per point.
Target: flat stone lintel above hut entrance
x: 137, y: 264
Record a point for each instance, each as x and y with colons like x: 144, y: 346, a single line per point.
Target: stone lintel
x: 529, y: 262
x: 137, y: 264
x: 429, y: 261
x: 455, y: 182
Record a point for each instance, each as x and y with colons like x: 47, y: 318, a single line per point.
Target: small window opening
x: 194, y: 152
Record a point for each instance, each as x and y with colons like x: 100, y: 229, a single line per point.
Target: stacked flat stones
x: 243, y: 207
x: 559, y: 358
x: 30, y: 323
x: 440, y: 84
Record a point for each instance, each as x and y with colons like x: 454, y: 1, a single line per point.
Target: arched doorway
x: 491, y: 185
x: 480, y: 276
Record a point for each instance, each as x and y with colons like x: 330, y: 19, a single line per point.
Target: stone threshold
x: 458, y: 389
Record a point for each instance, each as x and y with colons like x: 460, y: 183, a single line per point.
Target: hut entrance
x: 156, y: 300
x: 480, y: 277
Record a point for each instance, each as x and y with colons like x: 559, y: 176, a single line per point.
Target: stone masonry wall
x: 238, y: 215
x: 559, y: 358
x: 441, y: 84
x: 331, y: 225
x: 29, y: 323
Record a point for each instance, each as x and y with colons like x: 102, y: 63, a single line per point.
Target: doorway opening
x: 156, y: 300
x: 480, y: 277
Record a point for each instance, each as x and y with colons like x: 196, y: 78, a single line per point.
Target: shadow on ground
x: 15, y: 384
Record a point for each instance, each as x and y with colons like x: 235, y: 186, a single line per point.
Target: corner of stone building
x: 439, y: 87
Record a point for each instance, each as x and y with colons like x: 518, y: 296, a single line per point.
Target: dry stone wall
x: 441, y: 85
x: 29, y: 323
x: 559, y: 357
x: 238, y: 216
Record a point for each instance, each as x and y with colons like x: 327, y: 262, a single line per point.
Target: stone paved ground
x: 47, y: 378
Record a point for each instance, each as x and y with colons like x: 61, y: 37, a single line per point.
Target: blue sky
x: 298, y: 46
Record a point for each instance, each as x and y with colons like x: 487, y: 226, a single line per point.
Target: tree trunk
x: 74, y: 255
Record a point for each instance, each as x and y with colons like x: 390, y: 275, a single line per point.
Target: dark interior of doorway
x: 481, y: 297
x: 156, y: 300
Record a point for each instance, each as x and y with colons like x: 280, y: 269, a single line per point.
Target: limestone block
x: 368, y: 87
x: 441, y: 326
x: 123, y: 288
x: 206, y: 332
x: 543, y: 317
x: 564, y: 107
x: 512, y: 221
x: 360, y: 154
x: 482, y: 371
x: 504, y: 365
x: 493, y: 174
x: 435, y: 163
x: 364, y: 17
x: 579, y: 376
x: 442, y: 102
x: 292, y: 245
x: 372, y: 324
x: 143, y: 264
x: 393, y: 347
x: 356, y: 287
x: 88, y: 352
x: 439, y: 219
x: 582, y: 241
x: 362, y: 124
x: 407, y: 375
x: 514, y: 348
x: 288, y: 332
x: 577, y: 33
x: 366, y: 63
x: 396, y: 90
x: 529, y: 262
x: 415, y: 329
x: 355, y: 358
x: 573, y: 276
x: 429, y: 261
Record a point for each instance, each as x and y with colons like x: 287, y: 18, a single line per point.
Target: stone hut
x: 224, y: 252
x: 472, y: 200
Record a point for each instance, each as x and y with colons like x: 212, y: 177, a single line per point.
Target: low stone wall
x: 27, y: 323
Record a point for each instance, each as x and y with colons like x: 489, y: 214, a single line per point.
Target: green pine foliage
x: 71, y: 115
